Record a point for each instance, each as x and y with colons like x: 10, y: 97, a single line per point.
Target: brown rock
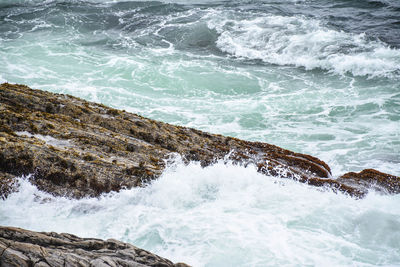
x: 71, y: 147
x: 371, y: 178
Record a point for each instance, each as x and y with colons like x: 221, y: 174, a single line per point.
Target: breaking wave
x: 303, y: 42
x: 225, y: 215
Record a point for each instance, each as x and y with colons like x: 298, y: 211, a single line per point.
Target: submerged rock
x: 19, y: 247
x: 71, y: 147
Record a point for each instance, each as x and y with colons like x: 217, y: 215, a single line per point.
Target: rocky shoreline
x: 75, y: 148
x: 70, y: 147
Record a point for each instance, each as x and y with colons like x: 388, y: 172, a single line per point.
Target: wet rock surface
x: 19, y: 247
x: 71, y: 147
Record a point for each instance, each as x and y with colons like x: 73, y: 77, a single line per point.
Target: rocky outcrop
x: 19, y: 247
x: 371, y: 178
x: 75, y: 148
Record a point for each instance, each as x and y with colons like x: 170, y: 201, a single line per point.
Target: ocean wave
x: 303, y: 42
x: 224, y: 215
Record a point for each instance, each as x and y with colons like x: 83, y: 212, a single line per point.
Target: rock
x: 71, y: 147
x: 371, y: 178
x: 19, y: 247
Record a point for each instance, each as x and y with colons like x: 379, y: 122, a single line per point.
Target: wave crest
x: 304, y: 42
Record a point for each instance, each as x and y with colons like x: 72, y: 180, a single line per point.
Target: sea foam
x: 303, y: 42
x: 225, y: 215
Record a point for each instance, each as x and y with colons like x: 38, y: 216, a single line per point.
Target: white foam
x: 225, y: 215
x: 303, y: 42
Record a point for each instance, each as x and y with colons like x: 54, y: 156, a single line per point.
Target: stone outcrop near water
x: 19, y: 247
x: 71, y: 147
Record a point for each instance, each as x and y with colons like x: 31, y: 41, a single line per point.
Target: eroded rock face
x: 19, y: 247
x: 71, y: 147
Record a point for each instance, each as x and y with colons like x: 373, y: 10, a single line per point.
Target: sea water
x: 225, y: 215
x: 315, y: 77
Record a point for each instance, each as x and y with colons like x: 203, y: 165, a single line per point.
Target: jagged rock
x: 71, y: 147
x: 19, y: 247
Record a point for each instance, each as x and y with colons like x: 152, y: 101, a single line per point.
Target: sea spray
x: 225, y: 215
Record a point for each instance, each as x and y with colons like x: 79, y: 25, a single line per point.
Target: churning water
x: 317, y: 77
x: 225, y: 215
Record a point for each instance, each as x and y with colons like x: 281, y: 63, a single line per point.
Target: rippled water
x: 317, y: 77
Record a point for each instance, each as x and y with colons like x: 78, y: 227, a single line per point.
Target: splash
x: 225, y: 215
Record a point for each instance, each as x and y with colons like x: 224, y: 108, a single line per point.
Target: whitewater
x: 225, y: 215
x: 316, y: 77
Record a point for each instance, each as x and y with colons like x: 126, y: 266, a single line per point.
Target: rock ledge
x: 72, y: 147
x: 19, y: 247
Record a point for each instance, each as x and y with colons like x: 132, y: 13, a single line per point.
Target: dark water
x: 379, y: 20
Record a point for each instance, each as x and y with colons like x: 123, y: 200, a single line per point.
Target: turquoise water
x: 316, y: 77
x: 241, y: 69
